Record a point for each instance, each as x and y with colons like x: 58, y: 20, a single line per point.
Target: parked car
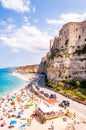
x: 46, y: 95
x: 53, y: 96
x: 42, y: 92
x: 64, y: 103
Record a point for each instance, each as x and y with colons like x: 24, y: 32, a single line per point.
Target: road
x: 76, y: 107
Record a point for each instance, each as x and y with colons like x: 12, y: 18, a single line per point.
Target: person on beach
x: 74, y: 116
x: 52, y: 125
x: 29, y: 120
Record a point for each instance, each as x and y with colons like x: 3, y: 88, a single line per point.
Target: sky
x: 26, y: 27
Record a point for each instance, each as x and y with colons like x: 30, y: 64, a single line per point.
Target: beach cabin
x: 49, y: 109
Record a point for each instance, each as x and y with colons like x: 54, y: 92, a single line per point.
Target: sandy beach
x: 25, y: 77
x: 17, y: 110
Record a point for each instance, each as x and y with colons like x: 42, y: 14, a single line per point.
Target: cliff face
x: 67, y: 57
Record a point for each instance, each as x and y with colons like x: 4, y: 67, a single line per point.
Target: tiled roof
x: 51, y: 101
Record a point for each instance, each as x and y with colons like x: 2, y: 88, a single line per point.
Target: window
x: 82, y: 67
x: 83, y: 29
x: 66, y: 42
x: 69, y: 76
x: 76, y: 29
x: 78, y: 47
x: 79, y: 36
x: 66, y: 77
x: 85, y: 39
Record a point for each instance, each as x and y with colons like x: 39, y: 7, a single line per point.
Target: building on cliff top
x: 71, y: 36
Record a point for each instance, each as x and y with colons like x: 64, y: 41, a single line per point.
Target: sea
x: 8, y: 82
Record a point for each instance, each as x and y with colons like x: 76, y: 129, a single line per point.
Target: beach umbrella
x: 3, y: 99
x: 26, y: 105
x: 25, y: 96
x: 14, y: 96
x: 14, y: 100
x: 13, y: 122
x: 11, y: 126
x: 23, y: 125
x: 13, y: 113
x: 31, y: 103
x: 20, y: 113
x: 32, y: 116
x: 4, y: 109
x: 12, y: 103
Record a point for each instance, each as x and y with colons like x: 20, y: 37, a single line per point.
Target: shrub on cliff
x: 81, y: 51
x: 80, y: 96
x: 43, y: 120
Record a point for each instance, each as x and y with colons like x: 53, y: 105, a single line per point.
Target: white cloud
x: 50, y: 21
x: 3, y: 23
x: 56, y: 32
x: 10, y: 27
x: 36, y: 21
x: 69, y: 17
x: 73, y: 17
x: 21, y: 60
x: 26, y: 20
x: 16, y: 5
x: 34, y: 9
x: 10, y: 20
x: 15, y: 50
x: 26, y: 37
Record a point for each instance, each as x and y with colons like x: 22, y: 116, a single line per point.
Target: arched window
x: 79, y: 36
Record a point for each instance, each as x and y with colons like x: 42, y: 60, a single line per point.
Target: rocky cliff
x: 66, y: 59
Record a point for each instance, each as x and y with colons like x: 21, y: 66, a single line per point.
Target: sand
x: 24, y: 97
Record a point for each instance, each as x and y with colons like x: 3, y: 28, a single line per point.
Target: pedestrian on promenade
x: 52, y: 125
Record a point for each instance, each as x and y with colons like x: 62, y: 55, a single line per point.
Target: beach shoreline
x: 26, y: 77
x: 24, y: 96
x: 21, y: 76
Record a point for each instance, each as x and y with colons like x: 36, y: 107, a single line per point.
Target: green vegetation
x: 72, y: 46
x: 74, y: 88
x: 53, y: 54
x: 77, y: 83
x: 68, y: 113
x: 43, y: 120
x: 83, y: 59
x: 79, y: 51
x: 67, y: 55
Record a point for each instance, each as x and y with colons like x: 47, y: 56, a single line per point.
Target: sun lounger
x: 3, y: 124
x: 11, y: 126
x: 23, y: 126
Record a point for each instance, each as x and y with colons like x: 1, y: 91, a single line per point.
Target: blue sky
x: 26, y: 27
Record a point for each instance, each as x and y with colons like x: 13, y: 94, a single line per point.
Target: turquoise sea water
x: 8, y: 82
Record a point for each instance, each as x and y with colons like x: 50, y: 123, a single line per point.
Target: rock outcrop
x: 66, y: 59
